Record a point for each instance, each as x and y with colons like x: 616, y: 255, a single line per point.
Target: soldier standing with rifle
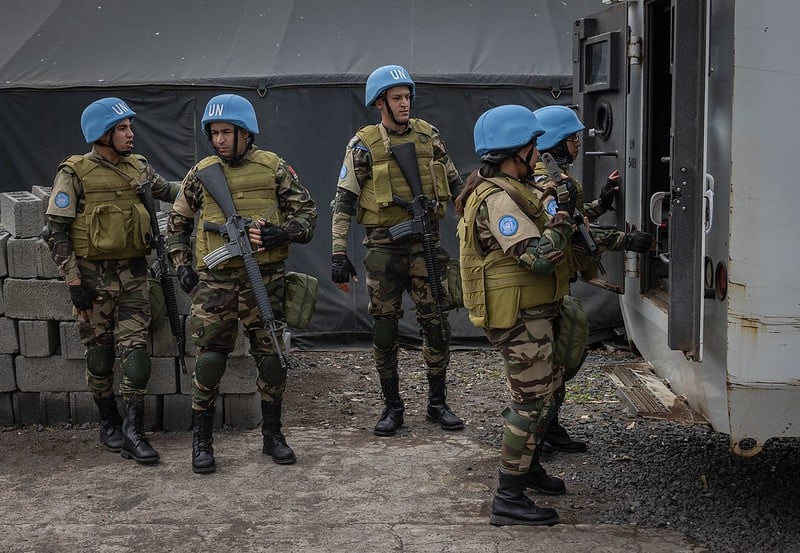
x: 561, y: 141
x: 400, y: 201
x: 237, y: 270
x: 99, y: 233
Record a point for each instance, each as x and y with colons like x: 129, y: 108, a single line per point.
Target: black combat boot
x: 556, y: 438
x: 438, y: 410
x: 135, y: 445
x: 274, y: 442
x: 202, y: 440
x: 540, y: 481
x: 392, y: 417
x: 512, y: 506
x: 110, y: 423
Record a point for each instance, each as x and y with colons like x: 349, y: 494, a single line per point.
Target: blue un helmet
x: 233, y: 109
x: 505, y: 128
x: 559, y: 123
x: 384, y: 78
x: 102, y: 115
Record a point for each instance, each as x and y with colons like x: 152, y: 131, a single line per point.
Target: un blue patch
x: 61, y: 200
x: 552, y: 207
x: 343, y: 172
x: 508, y: 225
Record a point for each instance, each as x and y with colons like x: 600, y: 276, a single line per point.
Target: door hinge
x: 635, y: 50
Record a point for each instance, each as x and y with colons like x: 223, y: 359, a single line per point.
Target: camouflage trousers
x: 222, y: 298
x: 120, y: 317
x: 532, y: 380
x: 395, y: 268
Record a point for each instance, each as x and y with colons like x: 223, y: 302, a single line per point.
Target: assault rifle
x: 554, y: 172
x: 235, y: 231
x: 420, y: 208
x: 162, y: 270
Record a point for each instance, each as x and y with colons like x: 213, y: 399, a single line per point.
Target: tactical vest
x: 254, y: 194
x: 114, y: 223
x: 375, y: 205
x: 580, y: 259
x: 495, y: 286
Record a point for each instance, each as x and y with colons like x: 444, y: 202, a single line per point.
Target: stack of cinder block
x: 42, y: 360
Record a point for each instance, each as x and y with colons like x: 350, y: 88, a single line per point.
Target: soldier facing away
x: 369, y: 184
x: 98, y: 234
x: 265, y: 188
x: 562, y: 140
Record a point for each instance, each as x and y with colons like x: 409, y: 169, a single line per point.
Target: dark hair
x: 486, y: 171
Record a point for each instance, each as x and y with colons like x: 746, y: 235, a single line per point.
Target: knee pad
x: 270, y: 370
x: 136, y: 369
x: 100, y: 361
x: 524, y: 416
x: 384, y: 333
x: 210, y: 367
x: 437, y: 338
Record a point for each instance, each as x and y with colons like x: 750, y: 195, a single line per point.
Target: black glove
x: 638, y: 241
x: 187, y: 277
x: 273, y: 237
x: 607, y: 195
x: 341, y: 268
x: 82, y: 296
x: 570, y: 204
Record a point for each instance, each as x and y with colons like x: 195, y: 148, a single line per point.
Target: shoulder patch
x: 552, y: 206
x: 343, y: 172
x: 291, y: 171
x: 508, y: 225
x: 61, y: 200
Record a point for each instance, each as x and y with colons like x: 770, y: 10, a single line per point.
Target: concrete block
x: 240, y: 376
x: 21, y: 214
x: 22, y: 257
x: 162, y: 376
x: 2, y: 303
x: 54, y: 408
x: 9, y: 337
x: 70, y: 340
x: 38, y: 338
x: 82, y: 408
x: 4, y: 237
x: 153, y: 412
x: 45, y: 266
x: 26, y: 408
x: 242, y: 346
x: 38, y: 300
x: 242, y: 410
x: 6, y: 409
x: 163, y: 345
x: 182, y: 298
x: 50, y: 374
x: 177, y: 413
x: 7, y: 381
x: 43, y: 193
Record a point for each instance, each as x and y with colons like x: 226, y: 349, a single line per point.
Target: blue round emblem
x: 61, y: 200
x: 508, y: 225
x: 343, y: 172
x: 552, y: 207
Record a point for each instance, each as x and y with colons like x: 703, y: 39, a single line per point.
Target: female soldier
x: 515, y: 263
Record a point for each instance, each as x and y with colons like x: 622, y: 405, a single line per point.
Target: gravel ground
x: 640, y: 472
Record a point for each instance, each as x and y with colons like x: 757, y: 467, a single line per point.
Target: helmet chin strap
x: 235, y: 159
x: 526, y: 161
x: 123, y: 153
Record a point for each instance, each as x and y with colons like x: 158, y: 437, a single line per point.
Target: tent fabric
x: 303, y: 65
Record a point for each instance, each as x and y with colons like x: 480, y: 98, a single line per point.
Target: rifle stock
x: 554, y: 172
x: 164, y: 273
x: 235, y: 231
x: 420, y: 209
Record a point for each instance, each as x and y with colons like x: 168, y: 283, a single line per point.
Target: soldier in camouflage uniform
x: 98, y: 234
x: 369, y: 179
x: 265, y: 188
x: 516, y: 261
x: 562, y: 140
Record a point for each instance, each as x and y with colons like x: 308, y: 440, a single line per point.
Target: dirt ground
x: 340, y: 390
